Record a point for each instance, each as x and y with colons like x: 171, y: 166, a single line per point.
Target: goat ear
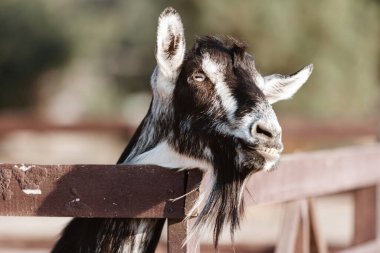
x: 170, y: 48
x: 279, y: 87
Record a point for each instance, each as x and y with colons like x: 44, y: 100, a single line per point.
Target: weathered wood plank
x: 365, y: 215
x: 303, y: 235
x: 193, y: 179
x: 91, y: 191
x: 293, y: 235
x: 178, y: 229
x: 64, y: 191
x: 316, y: 173
x: 318, y: 243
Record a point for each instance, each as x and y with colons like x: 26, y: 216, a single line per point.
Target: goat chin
x: 221, y: 205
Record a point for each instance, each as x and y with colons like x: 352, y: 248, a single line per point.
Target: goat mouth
x: 271, y: 158
x: 269, y: 153
x: 265, y: 151
x: 267, y: 157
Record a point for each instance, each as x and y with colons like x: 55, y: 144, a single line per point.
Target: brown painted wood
x: 316, y: 173
x: 299, y: 176
x: 91, y: 191
x: 317, y: 240
x: 178, y: 229
x: 194, y: 179
x: 365, y: 215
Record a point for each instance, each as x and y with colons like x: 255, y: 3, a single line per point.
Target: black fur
x: 191, y: 124
x: 105, y: 235
x: 99, y: 235
x: 192, y: 102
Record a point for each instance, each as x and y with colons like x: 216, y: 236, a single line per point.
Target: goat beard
x: 224, y: 205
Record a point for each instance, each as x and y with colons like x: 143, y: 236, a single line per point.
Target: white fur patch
x: 206, y: 188
x: 165, y: 156
x: 242, y: 127
x: 269, y: 165
x: 162, y: 86
x: 170, y: 36
x: 215, y: 73
x: 259, y: 80
x: 278, y: 87
x: 138, y: 238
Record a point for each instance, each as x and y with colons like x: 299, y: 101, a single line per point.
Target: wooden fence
x: 148, y: 191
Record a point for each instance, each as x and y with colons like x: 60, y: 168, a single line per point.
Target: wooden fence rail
x: 317, y: 173
x: 92, y: 191
x: 148, y: 191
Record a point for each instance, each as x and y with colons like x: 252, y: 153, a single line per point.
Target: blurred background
x: 74, y: 84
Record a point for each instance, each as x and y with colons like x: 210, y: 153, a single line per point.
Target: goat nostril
x: 261, y: 130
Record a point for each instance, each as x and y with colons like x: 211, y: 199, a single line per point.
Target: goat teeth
x: 270, y: 151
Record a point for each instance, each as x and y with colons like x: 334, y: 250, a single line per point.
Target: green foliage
x: 117, y: 38
x: 30, y: 43
x: 340, y: 37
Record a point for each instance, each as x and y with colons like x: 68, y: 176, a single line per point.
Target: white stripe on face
x: 215, y: 73
x: 164, y: 155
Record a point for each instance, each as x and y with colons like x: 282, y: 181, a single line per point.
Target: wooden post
x: 365, y: 201
x: 294, y: 237
x: 317, y: 241
x: 303, y: 236
x: 300, y: 232
x: 178, y: 229
x: 365, y: 216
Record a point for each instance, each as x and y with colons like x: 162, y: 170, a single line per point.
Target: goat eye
x: 199, y: 77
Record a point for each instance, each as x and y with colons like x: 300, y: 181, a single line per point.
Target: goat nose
x: 266, y: 131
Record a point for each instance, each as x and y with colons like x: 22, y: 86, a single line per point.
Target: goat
x: 211, y: 109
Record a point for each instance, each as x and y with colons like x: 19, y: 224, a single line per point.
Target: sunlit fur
x: 210, y: 110
x: 278, y: 87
